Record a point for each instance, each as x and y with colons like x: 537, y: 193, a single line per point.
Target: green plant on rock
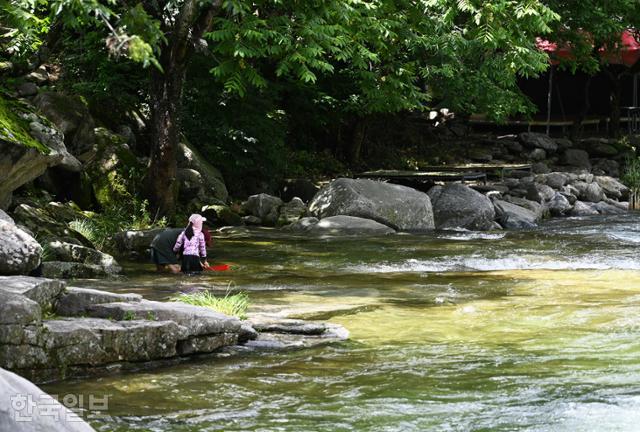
x: 129, y: 316
x: 231, y: 304
x: 631, y: 177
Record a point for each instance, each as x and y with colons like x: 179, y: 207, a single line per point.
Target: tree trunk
x: 166, y: 101
x: 166, y: 96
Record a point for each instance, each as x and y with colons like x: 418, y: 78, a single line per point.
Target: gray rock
x: 538, y: 141
x: 47, y: 415
x: 608, y: 209
x: 75, y: 301
x: 134, y: 243
x: 47, y: 226
x: 206, y: 344
x: 458, y: 206
x: 265, y: 207
x: 555, y: 180
x: 16, y: 309
x: 540, y: 193
x: 538, y: 209
x: 292, y: 211
x: 20, y: 162
x: 73, y: 270
x: 612, y: 187
x: 537, y: 154
x: 196, y: 320
x: 81, y: 341
x: 282, y: 325
x: 212, y: 189
x: 348, y: 225
x: 19, y: 251
x: 512, y: 216
x: 221, y: 215
x: 622, y: 205
x: 302, y: 225
x: 399, y: 207
x: 69, y: 252
x: 583, y: 209
x: 42, y: 291
x: 576, y: 158
x: 283, y: 341
x: 607, y: 166
x: 590, y: 192
x: 71, y: 115
x: 559, y: 205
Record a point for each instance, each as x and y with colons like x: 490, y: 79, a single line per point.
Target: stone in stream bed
x: 195, y: 320
x: 94, y: 341
x: 75, y: 301
x: 42, y: 291
x: 279, y: 340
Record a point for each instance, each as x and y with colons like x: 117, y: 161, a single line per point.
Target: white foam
x: 476, y: 263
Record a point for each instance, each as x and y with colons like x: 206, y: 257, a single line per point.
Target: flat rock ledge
x: 49, y: 331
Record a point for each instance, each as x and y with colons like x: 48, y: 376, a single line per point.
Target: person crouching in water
x: 191, y: 244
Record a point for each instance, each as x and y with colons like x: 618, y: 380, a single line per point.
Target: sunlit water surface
x: 500, y: 331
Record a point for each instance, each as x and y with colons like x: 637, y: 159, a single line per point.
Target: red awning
x: 626, y: 52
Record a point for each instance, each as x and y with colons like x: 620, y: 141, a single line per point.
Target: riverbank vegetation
x: 231, y: 304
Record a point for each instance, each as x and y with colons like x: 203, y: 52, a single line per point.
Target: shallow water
x: 457, y: 331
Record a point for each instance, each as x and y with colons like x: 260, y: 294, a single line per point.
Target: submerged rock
x: 399, y: 207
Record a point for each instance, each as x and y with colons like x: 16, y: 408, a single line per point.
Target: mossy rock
x: 14, y: 129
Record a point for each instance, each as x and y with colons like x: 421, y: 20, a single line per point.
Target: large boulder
x: 19, y: 252
x: 202, y: 181
x: 539, y: 141
x: 28, y: 146
x: 26, y: 408
x: 48, y: 226
x: 513, y: 216
x: 263, y: 206
x: 399, y: 207
x: 113, y: 169
x: 590, y: 192
x: 612, y: 187
x: 134, y: 243
x: 69, y: 252
x: 71, y: 115
x: 458, y: 206
x: 74, y: 270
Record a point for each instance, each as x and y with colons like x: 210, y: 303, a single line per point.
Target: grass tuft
x: 233, y: 305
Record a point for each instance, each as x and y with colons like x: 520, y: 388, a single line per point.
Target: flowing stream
x: 455, y: 331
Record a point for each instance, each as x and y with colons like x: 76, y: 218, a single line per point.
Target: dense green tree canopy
x: 361, y: 56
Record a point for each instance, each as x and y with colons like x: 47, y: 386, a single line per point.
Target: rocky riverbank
x: 49, y: 331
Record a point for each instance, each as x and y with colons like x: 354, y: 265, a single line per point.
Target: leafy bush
x: 631, y: 174
x: 233, y: 305
x: 133, y: 215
